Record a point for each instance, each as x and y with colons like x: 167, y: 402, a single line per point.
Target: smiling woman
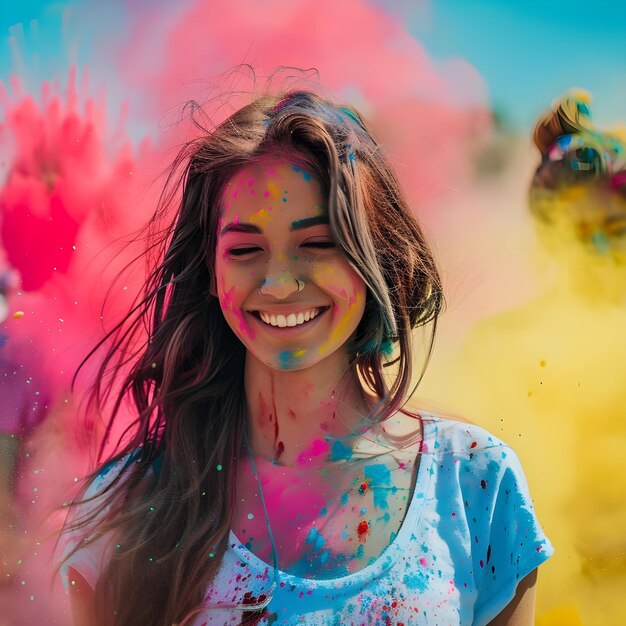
x: 273, y: 475
x: 277, y: 263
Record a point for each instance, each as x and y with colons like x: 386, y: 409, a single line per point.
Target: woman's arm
x: 82, y: 599
x: 520, y: 611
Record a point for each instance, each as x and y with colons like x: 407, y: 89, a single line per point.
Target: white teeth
x: 292, y: 319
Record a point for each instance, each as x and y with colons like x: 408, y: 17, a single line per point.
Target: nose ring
x: 299, y: 284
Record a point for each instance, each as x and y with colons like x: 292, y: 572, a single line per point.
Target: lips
x: 288, y: 319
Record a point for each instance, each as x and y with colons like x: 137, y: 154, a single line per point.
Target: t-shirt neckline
x: 389, y: 556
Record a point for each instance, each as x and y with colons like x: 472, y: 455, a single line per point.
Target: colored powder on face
x: 261, y: 218
x: 287, y: 359
x: 305, y: 175
x: 340, y: 452
x: 343, y: 323
x: 272, y: 189
x: 229, y: 305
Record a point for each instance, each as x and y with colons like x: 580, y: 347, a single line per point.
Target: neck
x: 294, y: 416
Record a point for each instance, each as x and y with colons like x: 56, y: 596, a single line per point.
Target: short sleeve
x: 89, y: 560
x: 509, y: 542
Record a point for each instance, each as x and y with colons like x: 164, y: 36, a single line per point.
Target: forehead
x: 269, y: 189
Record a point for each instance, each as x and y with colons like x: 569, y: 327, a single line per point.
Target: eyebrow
x: 240, y: 228
x: 309, y: 221
x: 297, y: 225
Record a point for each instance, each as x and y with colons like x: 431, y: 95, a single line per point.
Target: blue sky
x: 528, y: 51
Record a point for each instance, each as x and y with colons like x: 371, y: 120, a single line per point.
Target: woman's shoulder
x: 458, y: 435
x: 102, y: 487
x: 83, y: 543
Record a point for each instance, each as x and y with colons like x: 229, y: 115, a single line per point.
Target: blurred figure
x: 549, y: 376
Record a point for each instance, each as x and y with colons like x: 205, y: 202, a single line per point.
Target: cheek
x: 342, y: 281
x: 231, y: 300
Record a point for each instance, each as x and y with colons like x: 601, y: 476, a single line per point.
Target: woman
x: 578, y: 193
x: 272, y: 475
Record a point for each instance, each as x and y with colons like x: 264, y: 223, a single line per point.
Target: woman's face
x: 284, y: 287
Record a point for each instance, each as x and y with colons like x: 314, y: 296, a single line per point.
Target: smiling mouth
x: 290, y: 320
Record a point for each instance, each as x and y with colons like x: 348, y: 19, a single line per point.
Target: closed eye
x: 243, y: 251
x: 319, y: 244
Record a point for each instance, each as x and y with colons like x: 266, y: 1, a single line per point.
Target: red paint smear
x: 474, y: 444
x: 363, y: 530
x: 275, y: 412
x: 363, y: 488
x: 280, y: 448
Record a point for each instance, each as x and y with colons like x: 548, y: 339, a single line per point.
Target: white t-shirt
x: 469, y: 536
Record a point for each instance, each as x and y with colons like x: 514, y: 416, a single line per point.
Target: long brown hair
x: 170, y: 509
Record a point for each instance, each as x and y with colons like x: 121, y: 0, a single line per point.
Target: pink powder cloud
x: 427, y: 114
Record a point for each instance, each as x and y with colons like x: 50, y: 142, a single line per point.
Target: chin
x: 287, y: 362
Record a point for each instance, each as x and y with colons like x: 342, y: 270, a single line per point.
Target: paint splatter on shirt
x: 469, y: 536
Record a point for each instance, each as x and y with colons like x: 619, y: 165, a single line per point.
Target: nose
x: 279, y: 282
